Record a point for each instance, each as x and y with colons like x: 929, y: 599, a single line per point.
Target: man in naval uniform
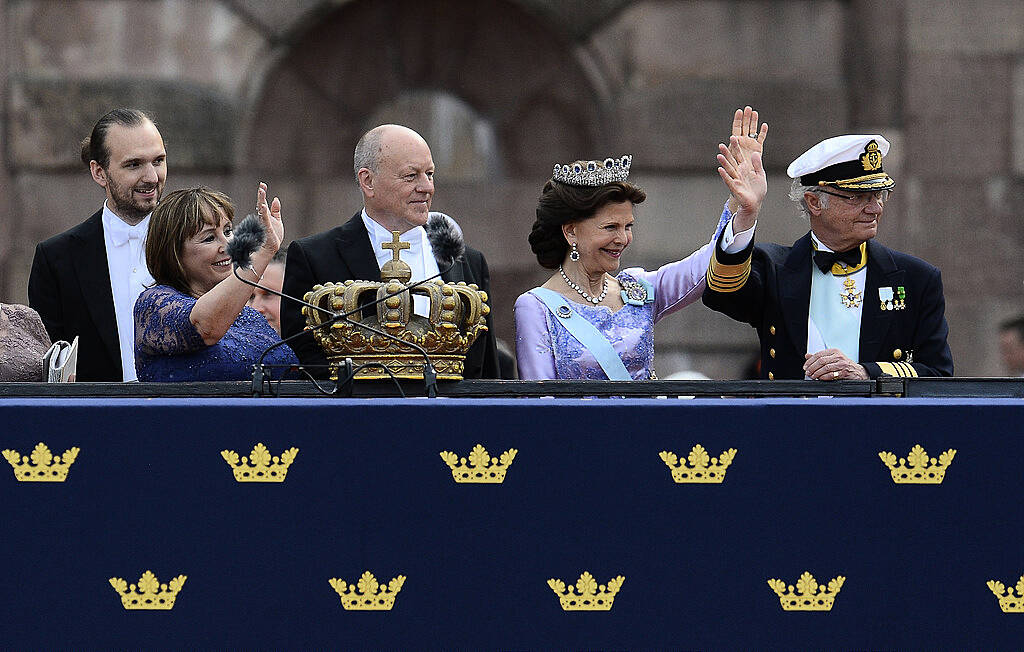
x: 395, y: 172
x: 837, y: 304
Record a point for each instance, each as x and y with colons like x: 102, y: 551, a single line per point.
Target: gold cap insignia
x: 809, y: 595
x: 1009, y: 601
x: 588, y: 595
x: 918, y: 468
x: 41, y: 465
x: 260, y: 466
x: 367, y: 594
x: 151, y: 594
x: 871, y: 159
x: 480, y: 467
x: 702, y: 468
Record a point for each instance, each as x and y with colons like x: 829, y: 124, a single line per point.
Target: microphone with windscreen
x: 246, y: 239
x: 446, y: 240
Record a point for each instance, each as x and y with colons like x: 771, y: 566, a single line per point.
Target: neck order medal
x: 850, y: 296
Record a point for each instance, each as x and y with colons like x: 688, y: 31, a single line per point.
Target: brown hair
x: 177, y: 218
x: 94, y: 146
x: 561, y: 203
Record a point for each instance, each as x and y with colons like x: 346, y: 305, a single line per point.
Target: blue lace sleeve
x: 162, y: 324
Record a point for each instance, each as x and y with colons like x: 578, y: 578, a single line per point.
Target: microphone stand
x: 429, y: 373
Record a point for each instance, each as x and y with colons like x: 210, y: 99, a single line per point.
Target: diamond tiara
x: 593, y: 173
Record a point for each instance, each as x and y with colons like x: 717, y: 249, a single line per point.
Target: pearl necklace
x: 594, y: 300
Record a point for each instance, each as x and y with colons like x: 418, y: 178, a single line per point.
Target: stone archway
x: 511, y: 74
x: 503, y: 62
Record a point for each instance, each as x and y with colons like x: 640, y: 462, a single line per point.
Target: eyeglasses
x: 861, y: 198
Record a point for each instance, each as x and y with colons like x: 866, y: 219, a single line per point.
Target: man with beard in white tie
x: 85, y: 281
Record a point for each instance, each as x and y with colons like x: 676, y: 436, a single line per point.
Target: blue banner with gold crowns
x: 511, y: 524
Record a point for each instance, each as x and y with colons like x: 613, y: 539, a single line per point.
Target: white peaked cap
x: 852, y: 161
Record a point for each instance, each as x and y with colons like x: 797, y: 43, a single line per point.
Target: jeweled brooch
x: 636, y: 293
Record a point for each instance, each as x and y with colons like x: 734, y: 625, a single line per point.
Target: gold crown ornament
x: 458, y: 315
x: 151, y: 594
x: 41, y: 465
x: 809, y: 595
x: 1009, y: 602
x: 702, y: 469
x: 479, y: 467
x: 367, y: 594
x: 588, y: 594
x: 918, y: 468
x: 260, y: 466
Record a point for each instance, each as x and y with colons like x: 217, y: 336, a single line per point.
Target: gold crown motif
x: 809, y: 595
x: 702, y: 469
x: 481, y: 468
x: 44, y: 466
x: 917, y: 468
x: 367, y: 594
x: 457, y: 316
x: 1009, y: 602
x: 151, y: 594
x: 260, y: 466
x: 871, y: 159
x: 588, y: 596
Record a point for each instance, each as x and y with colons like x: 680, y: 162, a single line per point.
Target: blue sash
x: 585, y: 333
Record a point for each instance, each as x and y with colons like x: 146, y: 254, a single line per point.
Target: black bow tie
x: 825, y: 259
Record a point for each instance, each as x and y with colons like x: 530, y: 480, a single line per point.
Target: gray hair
x: 796, y: 194
x: 368, y: 151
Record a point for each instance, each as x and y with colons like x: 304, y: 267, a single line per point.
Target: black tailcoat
x: 774, y: 300
x: 345, y: 253
x: 70, y: 289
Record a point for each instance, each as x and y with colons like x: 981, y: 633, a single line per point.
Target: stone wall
x: 279, y: 91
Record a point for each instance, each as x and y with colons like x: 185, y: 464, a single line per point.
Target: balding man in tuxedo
x: 395, y: 171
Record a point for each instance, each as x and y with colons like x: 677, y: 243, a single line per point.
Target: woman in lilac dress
x: 589, y: 320
x: 194, y: 324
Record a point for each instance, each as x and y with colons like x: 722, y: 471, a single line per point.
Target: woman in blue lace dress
x: 589, y: 320
x: 194, y: 324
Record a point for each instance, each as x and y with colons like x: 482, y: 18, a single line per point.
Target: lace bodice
x: 630, y: 331
x: 169, y: 348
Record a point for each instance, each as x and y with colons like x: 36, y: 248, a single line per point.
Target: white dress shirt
x: 830, y: 323
x: 733, y: 243
x: 129, y: 276
x: 419, y: 257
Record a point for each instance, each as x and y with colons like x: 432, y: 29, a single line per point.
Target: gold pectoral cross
x: 850, y: 297
x: 395, y: 245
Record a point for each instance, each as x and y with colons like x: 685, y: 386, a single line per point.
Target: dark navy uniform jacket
x: 769, y: 287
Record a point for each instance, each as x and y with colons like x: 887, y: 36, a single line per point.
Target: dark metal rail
x: 888, y: 387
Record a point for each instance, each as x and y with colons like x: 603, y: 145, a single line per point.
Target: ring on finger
x: 753, y: 135
x: 835, y: 374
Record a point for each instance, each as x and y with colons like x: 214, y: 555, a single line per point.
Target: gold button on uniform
x: 771, y: 352
x: 897, y: 354
x: 771, y: 376
x: 771, y: 329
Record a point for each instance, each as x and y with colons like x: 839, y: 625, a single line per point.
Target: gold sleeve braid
x: 898, y: 369
x: 727, y: 278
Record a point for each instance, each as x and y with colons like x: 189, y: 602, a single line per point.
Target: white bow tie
x: 120, y: 232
